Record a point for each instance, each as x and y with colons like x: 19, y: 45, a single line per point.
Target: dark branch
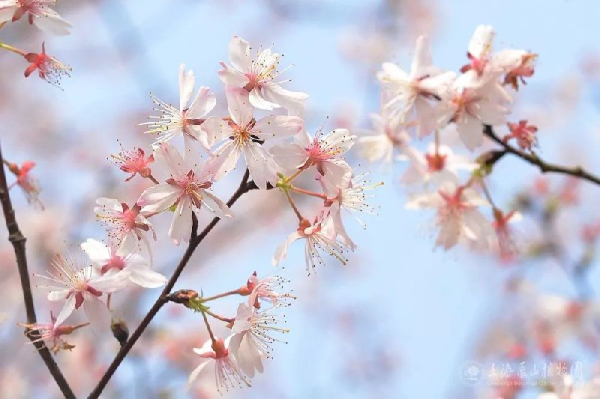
x: 18, y: 241
x: 243, y: 188
x: 544, y: 167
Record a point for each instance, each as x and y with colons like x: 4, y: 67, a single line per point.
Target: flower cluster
x: 429, y: 101
x: 264, y: 131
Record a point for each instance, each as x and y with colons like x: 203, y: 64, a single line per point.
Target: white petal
x: 225, y: 159
x: 194, y: 374
x: 279, y: 127
x: 53, y: 23
x: 239, y: 54
x: 293, y: 101
x: 97, y: 251
x: 239, y: 106
x: 481, y: 42
x: 218, y: 207
x: 260, y: 164
x: 470, y: 131
x: 281, y: 251
x: 158, y: 198
x: 146, y: 277
x: 181, y: 226
x: 289, y: 156
x: 66, y: 310
x: 186, y: 86
x: 422, y: 59
x: 231, y: 77
x: 203, y: 103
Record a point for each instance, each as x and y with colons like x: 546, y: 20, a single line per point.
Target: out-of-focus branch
x: 195, y: 240
x: 533, y: 159
x: 18, y: 241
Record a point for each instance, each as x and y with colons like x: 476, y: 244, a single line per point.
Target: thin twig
x: 18, y: 241
x: 544, y: 167
x: 243, y: 188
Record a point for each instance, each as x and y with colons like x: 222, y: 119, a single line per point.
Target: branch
x: 244, y: 187
x: 533, y: 159
x: 18, y: 241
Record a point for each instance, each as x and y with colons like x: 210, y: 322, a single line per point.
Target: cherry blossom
x: 245, y: 135
x: 506, y: 244
x: 457, y: 214
x: 226, y: 370
x: 124, y: 223
x: 186, y: 121
x: 352, y: 199
x: 187, y: 188
x: 383, y: 140
x: 113, y: 258
x: 134, y: 162
x: 28, y: 183
x: 251, y: 338
x: 49, y: 68
x: 470, y: 104
x: 406, y: 93
x: 265, y: 289
x: 81, y: 286
x: 439, y: 159
x: 53, y: 332
x: 518, y: 71
x: 256, y: 76
x: 324, y: 152
x: 524, y: 134
x: 319, y: 236
x: 38, y: 13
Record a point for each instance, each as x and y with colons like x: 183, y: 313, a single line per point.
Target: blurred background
x: 401, y: 320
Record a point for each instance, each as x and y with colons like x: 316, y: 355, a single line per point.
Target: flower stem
x: 212, y: 336
x: 293, y: 204
x: 216, y: 316
x: 306, y: 192
x: 13, y: 49
x: 224, y: 294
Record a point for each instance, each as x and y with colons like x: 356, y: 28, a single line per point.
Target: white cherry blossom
x: 220, y: 360
x: 457, y: 214
x: 187, y: 188
x: 185, y: 120
x: 323, y: 152
x: 38, y: 12
x: 245, y: 135
x: 257, y: 76
x: 122, y: 259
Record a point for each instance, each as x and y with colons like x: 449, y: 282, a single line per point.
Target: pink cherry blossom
x: 187, y: 188
x: 266, y: 289
x: 383, y: 140
x: 218, y: 358
x: 424, y: 166
x: 323, y: 152
x: 81, y: 286
x: 123, y: 223
x: 257, y: 76
x: 26, y: 181
x: 52, y: 333
x: 252, y: 337
x: 518, y: 71
x: 524, y: 134
x: 186, y: 121
x: 245, y: 135
x: 480, y: 51
x: 405, y: 93
x: 49, y: 68
x: 115, y: 259
x: 38, y: 13
x: 470, y: 104
x: 319, y: 236
x: 134, y: 162
x: 352, y: 199
x: 457, y: 214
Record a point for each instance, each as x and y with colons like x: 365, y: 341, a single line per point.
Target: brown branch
x: 18, y: 241
x: 244, y: 187
x: 533, y: 159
